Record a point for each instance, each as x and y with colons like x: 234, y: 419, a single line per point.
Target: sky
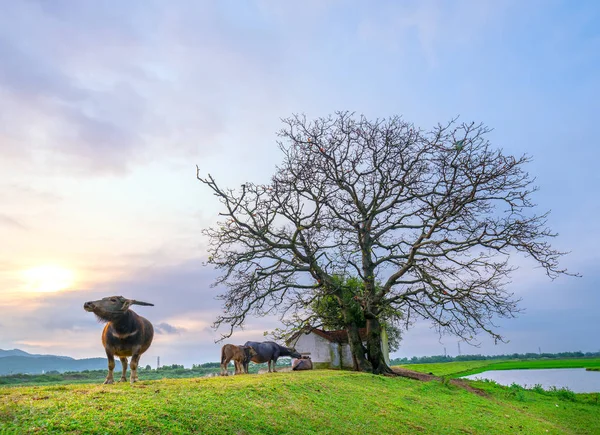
x: 107, y: 107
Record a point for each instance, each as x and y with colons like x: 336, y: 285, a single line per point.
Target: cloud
x: 11, y: 222
x: 29, y: 194
x: 165, y: 328
x: 123, y: 94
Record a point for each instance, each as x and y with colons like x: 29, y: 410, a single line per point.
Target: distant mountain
x: 14, y: 352
x: 17, y: 361
x: 19, y: 352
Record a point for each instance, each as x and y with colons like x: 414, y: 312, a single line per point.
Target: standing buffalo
x: 269, y: 351
x: 125, y: 334
x: 239, y: 354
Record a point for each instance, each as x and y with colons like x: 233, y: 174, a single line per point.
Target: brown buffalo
x: 125, y: 334
x: 240, y: 355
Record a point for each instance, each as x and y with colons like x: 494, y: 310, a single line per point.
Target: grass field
x: 314, y: 402
x: 464, y: 368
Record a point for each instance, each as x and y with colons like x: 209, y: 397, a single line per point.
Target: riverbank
x: 465, y: 368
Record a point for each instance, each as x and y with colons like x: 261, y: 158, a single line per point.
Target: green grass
x: 449, y: 368
x: 313, y: 402
x: 464, y: 368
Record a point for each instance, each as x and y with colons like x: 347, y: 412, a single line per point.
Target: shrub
x: 517, y: 392
x: 539, y: 389
x: 564, y: 393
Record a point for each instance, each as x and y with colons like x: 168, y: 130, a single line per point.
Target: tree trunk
x: 358, y: 350
x: 374, y: 352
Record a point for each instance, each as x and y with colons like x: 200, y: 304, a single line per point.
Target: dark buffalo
x: 269, y: 351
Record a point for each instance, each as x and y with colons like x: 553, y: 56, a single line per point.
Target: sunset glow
x: 46, y: 279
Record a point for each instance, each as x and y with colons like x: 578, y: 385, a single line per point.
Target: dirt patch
x: 429, y: 377
x: 414, y: 375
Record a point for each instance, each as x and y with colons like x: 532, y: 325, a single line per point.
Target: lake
x: 576, y: 380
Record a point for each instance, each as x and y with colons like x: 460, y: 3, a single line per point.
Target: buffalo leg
x: 124, y: 368
x: 111, y: 367
x: 224, y: 365
x: 133, y: 364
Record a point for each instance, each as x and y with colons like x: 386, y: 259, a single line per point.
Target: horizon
x: 408, y: 358
x: 106, y: 109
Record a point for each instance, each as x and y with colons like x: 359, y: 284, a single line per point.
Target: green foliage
x: 517, y: 392
x: 313, y: 402
x: 207, y: 365
x: 339, y: 307
x: 538, y: 389
x: 564, y: 393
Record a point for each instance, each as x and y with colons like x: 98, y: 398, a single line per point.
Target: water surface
x: 576, y: 380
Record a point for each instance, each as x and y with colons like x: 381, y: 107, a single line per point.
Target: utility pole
x: 540, y: 350
x: 459, y: 348
x: 445, y: 354
x: 157, y: 362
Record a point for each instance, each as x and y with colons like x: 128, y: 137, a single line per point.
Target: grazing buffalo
x: 269, y: 351
x: 125, y: 334
x: 304, y: 363
x: 239, y: 354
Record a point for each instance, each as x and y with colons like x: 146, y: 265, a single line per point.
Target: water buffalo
x: 239, y: 354
x: 269, y: 351
x: 125, y: 334
x: 304, y: 363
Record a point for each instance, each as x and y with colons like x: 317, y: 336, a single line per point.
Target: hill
x: 35, y: 364
x: 15, y: 352
x: 313, y: 402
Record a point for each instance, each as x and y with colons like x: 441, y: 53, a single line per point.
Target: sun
x: 46, y: 279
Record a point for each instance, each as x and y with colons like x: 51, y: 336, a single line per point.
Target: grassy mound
x: 314, y: 402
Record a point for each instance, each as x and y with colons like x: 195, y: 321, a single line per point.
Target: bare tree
x: 431, y: 215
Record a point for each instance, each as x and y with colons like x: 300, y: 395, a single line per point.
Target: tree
x: 432, y: 215
x: 339, y: 309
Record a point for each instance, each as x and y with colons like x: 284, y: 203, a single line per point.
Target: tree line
x: 478, y: 357
x: 172, y: 371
